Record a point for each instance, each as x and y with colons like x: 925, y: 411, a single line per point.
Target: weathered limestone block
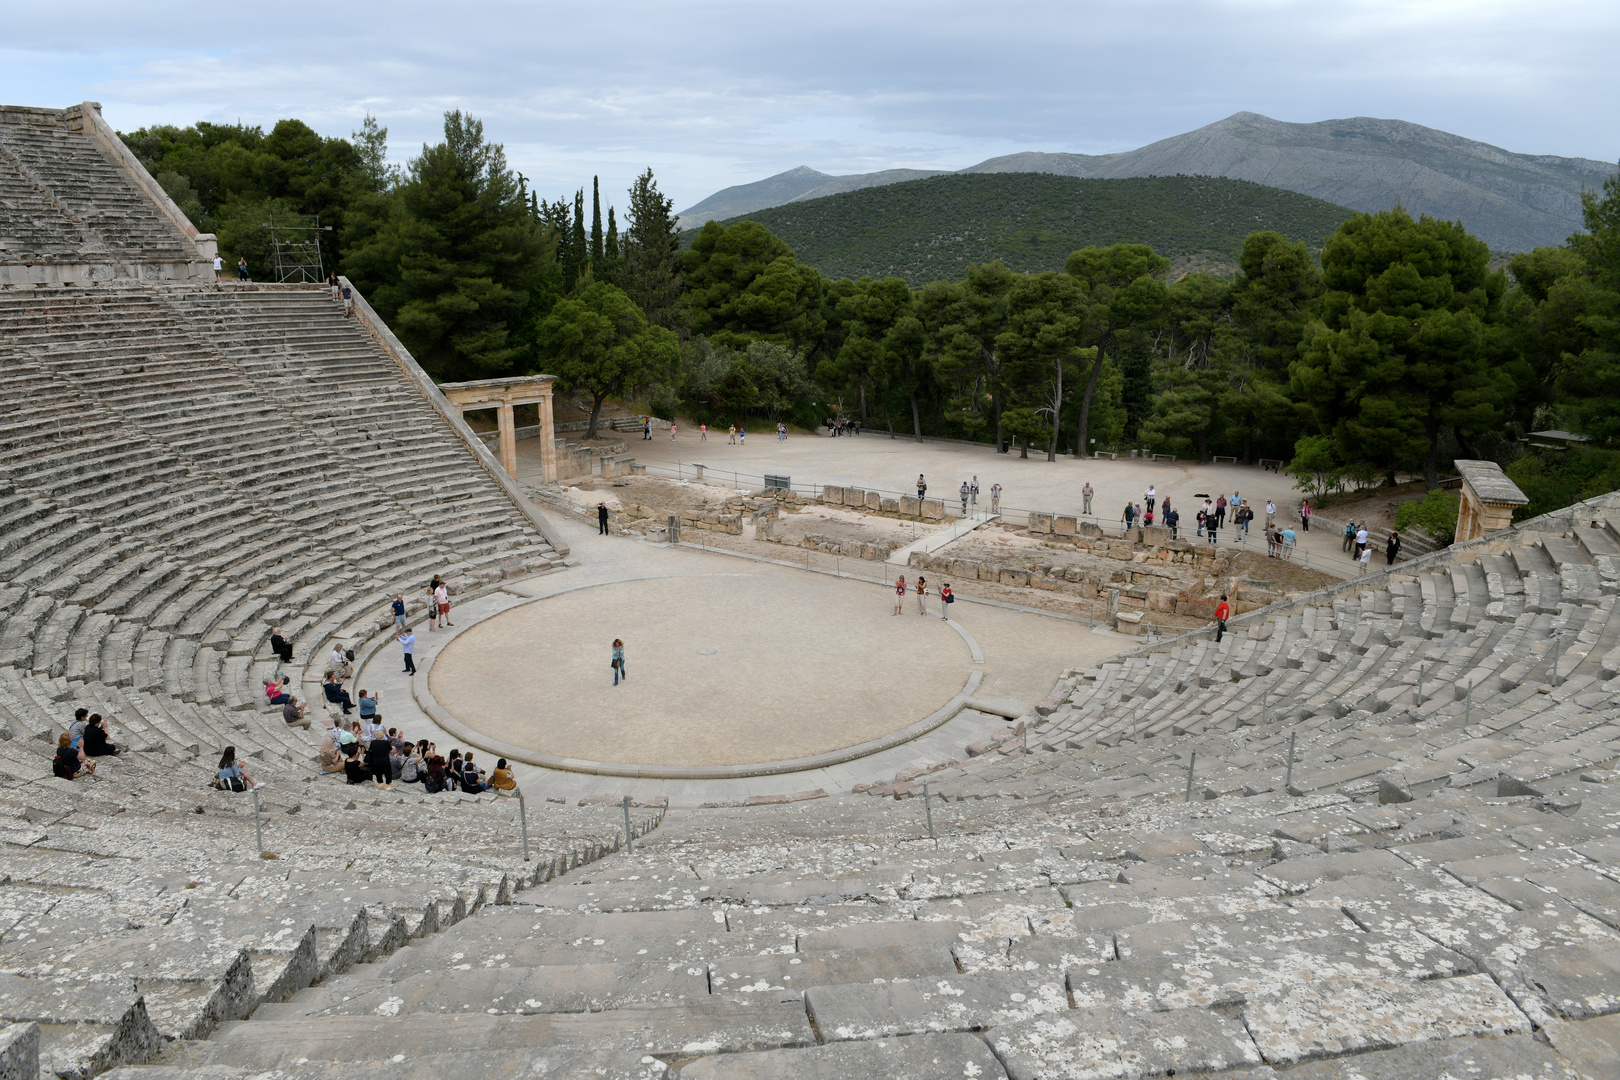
x: 1074, y: 575
x: 1161, y: 600
x: 1122, y: 552
x: 832, y: 496
x: 889, y: 506
x: 1155, y: 535
x: 987, y: 572
x: 964, y: 568
x: 1129, y: 622
x: 1040, y: 523
x: 874, y: 501
x: 1064, y: 526
x: 1089, y: 528
x: 855, y: 497
x: 1199, y: 607
x: 933, y: 510
x: 1010, y: 576
x: 909, y: 506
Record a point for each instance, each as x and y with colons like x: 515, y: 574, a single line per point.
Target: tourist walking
x: 441, y: 596
x: 922, y: 487
x: 1128, y: 517
x: 899, y: 593
x: 1150, y: 496
x: 1085, y: 498
x: 601, y: 519
x: 671, y: 432
x: 703, y: 433
x: 1211, y: 523
x: 965, y: 493
x: 618, y: 662
x: 1172, y: 518
x: 646, y: 428
x: 781, y: 432
x: 407, y: 641
x: 398, y: 608
x: 219, y: 268
x: 379, y: 763
x: 731, y: 435
x: 946, y: 599
x: 1220, y: 510
x: 1304, y: 515
x: 1392, y: 548
x: 973, y: 490
x: 1287, y: 545
x: 433, y: 602
x: 348, y: 301
x: 1271, y: 513
x: 1361, y: 539
x: 1223, y: 611
x: 995, y: 498
x: 1349, y: 536
x: 1366, y: 558
x: 922, y: 596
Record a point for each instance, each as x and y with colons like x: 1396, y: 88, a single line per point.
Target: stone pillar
x: 1488, y: 500
x: 508, y: 440
x: 548, y: 440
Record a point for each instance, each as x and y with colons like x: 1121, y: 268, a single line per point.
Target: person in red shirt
x: 899, y: 593
x: 1223, y: 611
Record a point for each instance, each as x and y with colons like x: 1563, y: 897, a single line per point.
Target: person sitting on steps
x: 95, y: 742
x: 70, y: 762
x: 232, y: 776
x: 336, y: 694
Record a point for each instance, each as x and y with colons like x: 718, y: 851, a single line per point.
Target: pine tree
x: 652, y: 252
x: 596, y: 221
x: 460, y: 269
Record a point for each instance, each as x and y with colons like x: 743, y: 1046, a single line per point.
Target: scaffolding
x: 297, y: 249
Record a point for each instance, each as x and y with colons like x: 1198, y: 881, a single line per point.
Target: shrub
x: 1435, y: 514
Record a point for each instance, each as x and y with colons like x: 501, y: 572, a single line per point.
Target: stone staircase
x: 75, y: 207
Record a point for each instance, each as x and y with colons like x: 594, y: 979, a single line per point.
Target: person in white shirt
x: 1361, y: 540
x: 1149, y: 496
x: 219, y: 265
x: 1271, y: 513
x: 1366, y: 558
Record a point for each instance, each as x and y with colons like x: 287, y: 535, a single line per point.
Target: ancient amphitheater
x: 1371, y: 833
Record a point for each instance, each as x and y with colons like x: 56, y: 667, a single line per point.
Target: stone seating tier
x: 172, y: 584
x: 62, y: 187
x: 1082, y: 933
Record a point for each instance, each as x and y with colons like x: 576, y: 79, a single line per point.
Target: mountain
x: 932, y: 229
x: 1513, y: 202
x: 795, y: 184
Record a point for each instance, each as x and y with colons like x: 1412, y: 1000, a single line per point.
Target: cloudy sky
x: 717, y: 93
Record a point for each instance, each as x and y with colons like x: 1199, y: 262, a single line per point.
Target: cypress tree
x: 596, y: 221
x: 612, y: 251
x: 581, y: 252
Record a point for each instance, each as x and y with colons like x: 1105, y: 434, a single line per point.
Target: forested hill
x: 931, y: 230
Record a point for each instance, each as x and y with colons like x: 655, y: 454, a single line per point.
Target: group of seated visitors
x: 363, y: 750
x: 84, y: 739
